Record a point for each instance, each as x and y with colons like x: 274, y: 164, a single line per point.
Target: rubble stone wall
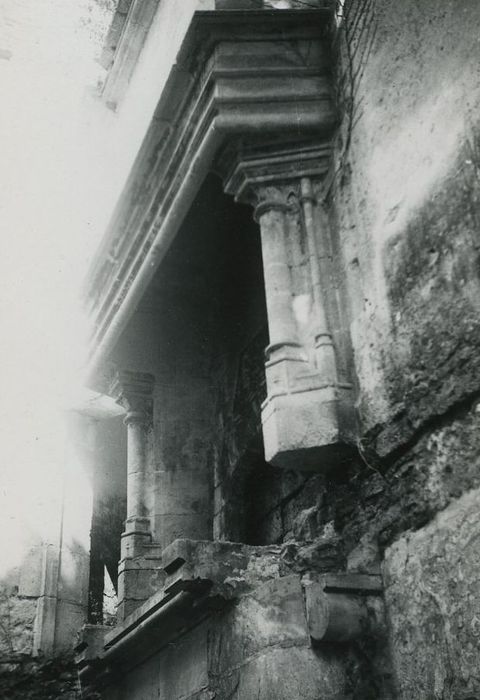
x: 405, y: 206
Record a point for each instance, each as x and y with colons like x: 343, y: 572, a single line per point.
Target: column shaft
x: 136, y: 468
x: 281, y: 322
x: 133, y: 390
x: 324, y: 349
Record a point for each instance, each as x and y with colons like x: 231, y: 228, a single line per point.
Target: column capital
x: 133, y: 391
x: 270, y: 177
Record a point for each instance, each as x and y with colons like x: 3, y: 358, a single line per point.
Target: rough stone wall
x: 406, y: 197
x: 432, y: 592
x: 404, y: 202
x: 257, y: 646
x: 23, y: 678
x: 17, y: 619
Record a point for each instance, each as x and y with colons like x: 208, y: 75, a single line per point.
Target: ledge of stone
x: 203, y: 577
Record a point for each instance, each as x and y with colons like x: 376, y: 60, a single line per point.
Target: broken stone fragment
x: 322, y: 555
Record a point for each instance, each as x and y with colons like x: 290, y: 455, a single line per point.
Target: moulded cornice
x: 251, y: 75
x: 245, y: 170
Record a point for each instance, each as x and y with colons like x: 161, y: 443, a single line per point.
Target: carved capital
x: 133, y: 391
x: 270, y: 176
x: 271, y: 198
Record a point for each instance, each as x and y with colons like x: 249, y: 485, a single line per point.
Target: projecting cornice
x: 254, y: 76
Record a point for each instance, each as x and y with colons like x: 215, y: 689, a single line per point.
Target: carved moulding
x: 259, y: 73
x: 262, y: 77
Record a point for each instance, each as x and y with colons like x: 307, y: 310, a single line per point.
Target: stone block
x: 231, y: 567
x: 138, y: 579
x: 309, y: 430
x: 272, y: 615
x: 44, y: 628
x: 286, y: 673
x: 70, y: 619
x: 17, y: 620
x: 31, y: 571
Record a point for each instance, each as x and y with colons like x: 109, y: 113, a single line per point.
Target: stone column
x: 285, y: 355
x: 308, y: 416
x: 133, y: 390
x: 324, y: 349
x: 139, y: 571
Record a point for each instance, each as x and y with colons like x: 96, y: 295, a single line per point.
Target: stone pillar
x: 133, y: 390
x: 325, y: 358
x: 139, y: 570
x: 285, y: 355
x: 308, y: 416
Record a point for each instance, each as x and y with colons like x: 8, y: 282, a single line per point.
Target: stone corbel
x: 308, y: 416
x: 344, y: 607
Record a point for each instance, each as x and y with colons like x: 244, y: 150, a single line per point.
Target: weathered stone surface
x: 305, y: 675
x: 232, y: 568
x: 325, y: 553
x: 272, y: 615
x: 432, y: 590
x: 27, y: 679
x: 17, y: 619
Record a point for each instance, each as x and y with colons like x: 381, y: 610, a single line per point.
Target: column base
x: 135, y: 538
x: 138, y: 579
x: 309, y: 430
